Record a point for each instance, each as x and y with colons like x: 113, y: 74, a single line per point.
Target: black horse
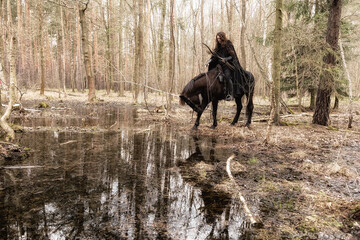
x: 206, y: 88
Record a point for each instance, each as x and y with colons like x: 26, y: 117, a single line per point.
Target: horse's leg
x: 238, y: 109
x: 249, y: 108
x: 199, y: 113
x: 197, y: 121
x: 214, y: 112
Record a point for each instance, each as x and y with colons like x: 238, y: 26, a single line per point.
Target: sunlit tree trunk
x: 73, y: 60
x: 20, y: 41
x: 28, y: 46
x: 350, y: 84
x: 194, y: 53
x: 12, y: 70
x: 58, y: 67
x: 230, y: 14
x: 322, y: 109
x: 86, y: 53
x: 242, y: 36
x: 160, y: 57
x: 41, y: 48
x: 276, y: 67
x: 109, y: 48
x: 139, y: 50
x: 120, y: 54
x: 202, y: 30
x: 221, y: 14
x: 212, y: 20
x: 78, y: 77
x: 63, y: 63
x: 147, y: 46
x: 98, y: 77
x: 3, y: 56
x: 171, y: 56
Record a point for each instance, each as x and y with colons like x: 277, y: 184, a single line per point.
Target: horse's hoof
x: 194, y: 128
x: 212, y: 127
x: 248, y: 125
x: 232, y: 124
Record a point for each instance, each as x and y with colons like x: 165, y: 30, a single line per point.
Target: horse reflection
x: 216, y: 202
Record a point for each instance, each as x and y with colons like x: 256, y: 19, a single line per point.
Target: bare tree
x: 12, y: 70
x: 139, y: 48
x: 120, y: 54
x: 277, y: 63
x: 64, y: 55
x: 242, y: 35
x: 171, y: 56
x: 86, y: 51
x: 202, y: 29
x: 160, y: 54
x: 41, y: 46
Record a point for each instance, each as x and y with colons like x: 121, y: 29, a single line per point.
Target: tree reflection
x: 116, y: 185
x: 216, y: 203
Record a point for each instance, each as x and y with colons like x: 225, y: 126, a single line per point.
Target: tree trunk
x: 139, y: 50
x: 120, y: 56
x: 312, y: 92
x: 21, y: 56
x: 5, y: 117
x: 242, y: 37
x: 41, y: 46
x: 322, y: 109
x: 194, y: 53
x: 336, y: 102
x: 79, y: 76
x: 230, y: 14
x: 63, y: 63
x: 12, y: 62
x: 277, y: 61
x: 171, y: 56
x: 202, y: 35
x: 108, y: 47
x: 86, y: 52
x: 160, y: 57
x: 59, y: 62
x: 350, y: 84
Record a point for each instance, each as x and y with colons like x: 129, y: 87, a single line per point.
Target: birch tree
x: 12, y: 70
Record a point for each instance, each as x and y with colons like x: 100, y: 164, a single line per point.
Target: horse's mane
x: 189, y: 87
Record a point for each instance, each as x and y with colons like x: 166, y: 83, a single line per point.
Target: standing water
x: 128, y: 182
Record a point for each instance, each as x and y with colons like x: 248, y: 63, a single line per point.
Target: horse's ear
x: 218, y: 67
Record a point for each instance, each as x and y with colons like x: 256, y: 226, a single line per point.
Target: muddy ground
x: 305, y: 179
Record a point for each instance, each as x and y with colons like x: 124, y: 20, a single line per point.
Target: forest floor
x: 306, y: 178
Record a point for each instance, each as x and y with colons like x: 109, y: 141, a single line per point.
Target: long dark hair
x: 225, y: 43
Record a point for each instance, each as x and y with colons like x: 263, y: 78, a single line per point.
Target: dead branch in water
x: 242, y: 199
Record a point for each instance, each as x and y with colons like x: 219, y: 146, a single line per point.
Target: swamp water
x: 130, y: 183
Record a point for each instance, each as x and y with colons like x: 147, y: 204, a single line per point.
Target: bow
x: 217, y: 55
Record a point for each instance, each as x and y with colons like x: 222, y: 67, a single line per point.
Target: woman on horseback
x: 225, y: 55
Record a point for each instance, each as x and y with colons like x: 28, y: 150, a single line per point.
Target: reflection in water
x: 79, y: 116
x: 114, y: 185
